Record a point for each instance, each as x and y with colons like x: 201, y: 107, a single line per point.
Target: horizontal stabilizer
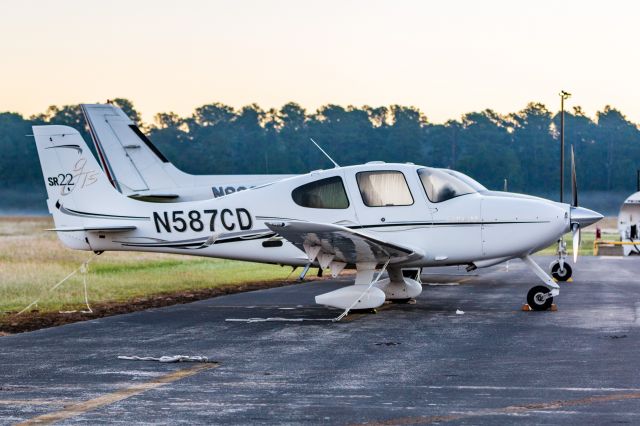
x: 151, y: 196
x: 101, y: 228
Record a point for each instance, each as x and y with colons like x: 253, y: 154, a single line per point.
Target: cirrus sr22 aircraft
x: 369, y: 217
x: 136, y: 168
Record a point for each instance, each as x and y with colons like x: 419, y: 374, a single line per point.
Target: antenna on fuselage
x: 325, y: 154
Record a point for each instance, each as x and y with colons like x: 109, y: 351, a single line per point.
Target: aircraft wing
x: 344, y: 244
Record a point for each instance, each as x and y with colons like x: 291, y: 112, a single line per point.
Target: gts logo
x: 194, y: 220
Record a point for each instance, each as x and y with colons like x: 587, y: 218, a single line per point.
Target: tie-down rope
x: 83, y: 270
x: 346, y: 311
x: 336, y: 319
x: 167, y: 358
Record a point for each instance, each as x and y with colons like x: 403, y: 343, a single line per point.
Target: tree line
x: 522, y: 147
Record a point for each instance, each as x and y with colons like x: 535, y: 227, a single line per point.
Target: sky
x: 444, y: 57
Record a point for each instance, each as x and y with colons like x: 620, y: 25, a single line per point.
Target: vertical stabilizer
x: 79, y: 193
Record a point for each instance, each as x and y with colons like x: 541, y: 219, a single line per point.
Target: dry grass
x: 32, y: 260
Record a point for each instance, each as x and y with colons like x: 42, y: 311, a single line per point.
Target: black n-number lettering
x: 194, y: 221
x: 244, y: 219
x: 157, y: 220
x: 227, y: 212
x: 212, y: 221
x: 180, y: 220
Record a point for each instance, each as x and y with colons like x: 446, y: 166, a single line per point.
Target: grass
x: 33, y: 260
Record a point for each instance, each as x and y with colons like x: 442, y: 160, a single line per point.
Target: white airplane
x: 629, y: 224
x: 138, y: 169
x: 368, y: 217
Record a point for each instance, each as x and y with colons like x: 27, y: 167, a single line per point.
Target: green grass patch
x: 586, y: 245
x: 32, y: 261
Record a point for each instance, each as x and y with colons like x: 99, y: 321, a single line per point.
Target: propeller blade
x: 575, y: 229
x: 574, y: 181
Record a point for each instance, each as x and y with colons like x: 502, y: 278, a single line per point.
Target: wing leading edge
x: 342, y: 244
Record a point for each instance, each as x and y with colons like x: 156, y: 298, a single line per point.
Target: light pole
x: 563, y: 95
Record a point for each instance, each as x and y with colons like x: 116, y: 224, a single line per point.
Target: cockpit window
x: 326, y: 193
x: 441, y: 186
x: 384, y: 188
x: 467, y: 179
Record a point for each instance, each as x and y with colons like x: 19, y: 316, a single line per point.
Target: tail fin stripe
x: 72, y: 212
x: 148, y: 142
x: 76, y: 147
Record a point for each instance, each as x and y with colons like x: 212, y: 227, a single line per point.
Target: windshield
x: 466, y: 179
x: 441, y: 186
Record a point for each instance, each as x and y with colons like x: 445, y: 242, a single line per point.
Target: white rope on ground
x: 166, y: 358
x: 276, y: 319
x: 336, y: 319
x: 83, y: 269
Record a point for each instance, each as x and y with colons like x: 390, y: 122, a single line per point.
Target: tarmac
x: 420, y: 363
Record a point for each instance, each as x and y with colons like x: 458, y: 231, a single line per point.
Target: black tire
x: 401, y: 301
x: 534, y: 300
x: 413, y: 273
x: 561, y: 275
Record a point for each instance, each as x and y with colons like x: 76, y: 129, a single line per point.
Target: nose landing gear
x: 559, y: 273
x: 560, y: 269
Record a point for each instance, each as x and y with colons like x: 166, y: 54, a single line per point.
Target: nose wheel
x: 561, y: 271
x: 539, y: 298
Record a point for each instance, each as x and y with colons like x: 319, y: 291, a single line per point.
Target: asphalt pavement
x: 421, y: 363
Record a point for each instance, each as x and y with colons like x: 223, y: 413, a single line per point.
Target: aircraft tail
x: 131, y: 161
x: 138, y: 169
x: 80, y: 196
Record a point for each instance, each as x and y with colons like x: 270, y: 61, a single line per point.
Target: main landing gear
x: 560, y: 269
x: 540, y: 298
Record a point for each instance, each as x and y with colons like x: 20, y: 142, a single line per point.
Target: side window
x: 384, y: 188
x: 322, y: 194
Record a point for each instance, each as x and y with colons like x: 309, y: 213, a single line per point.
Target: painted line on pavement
x: 79, y: 408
